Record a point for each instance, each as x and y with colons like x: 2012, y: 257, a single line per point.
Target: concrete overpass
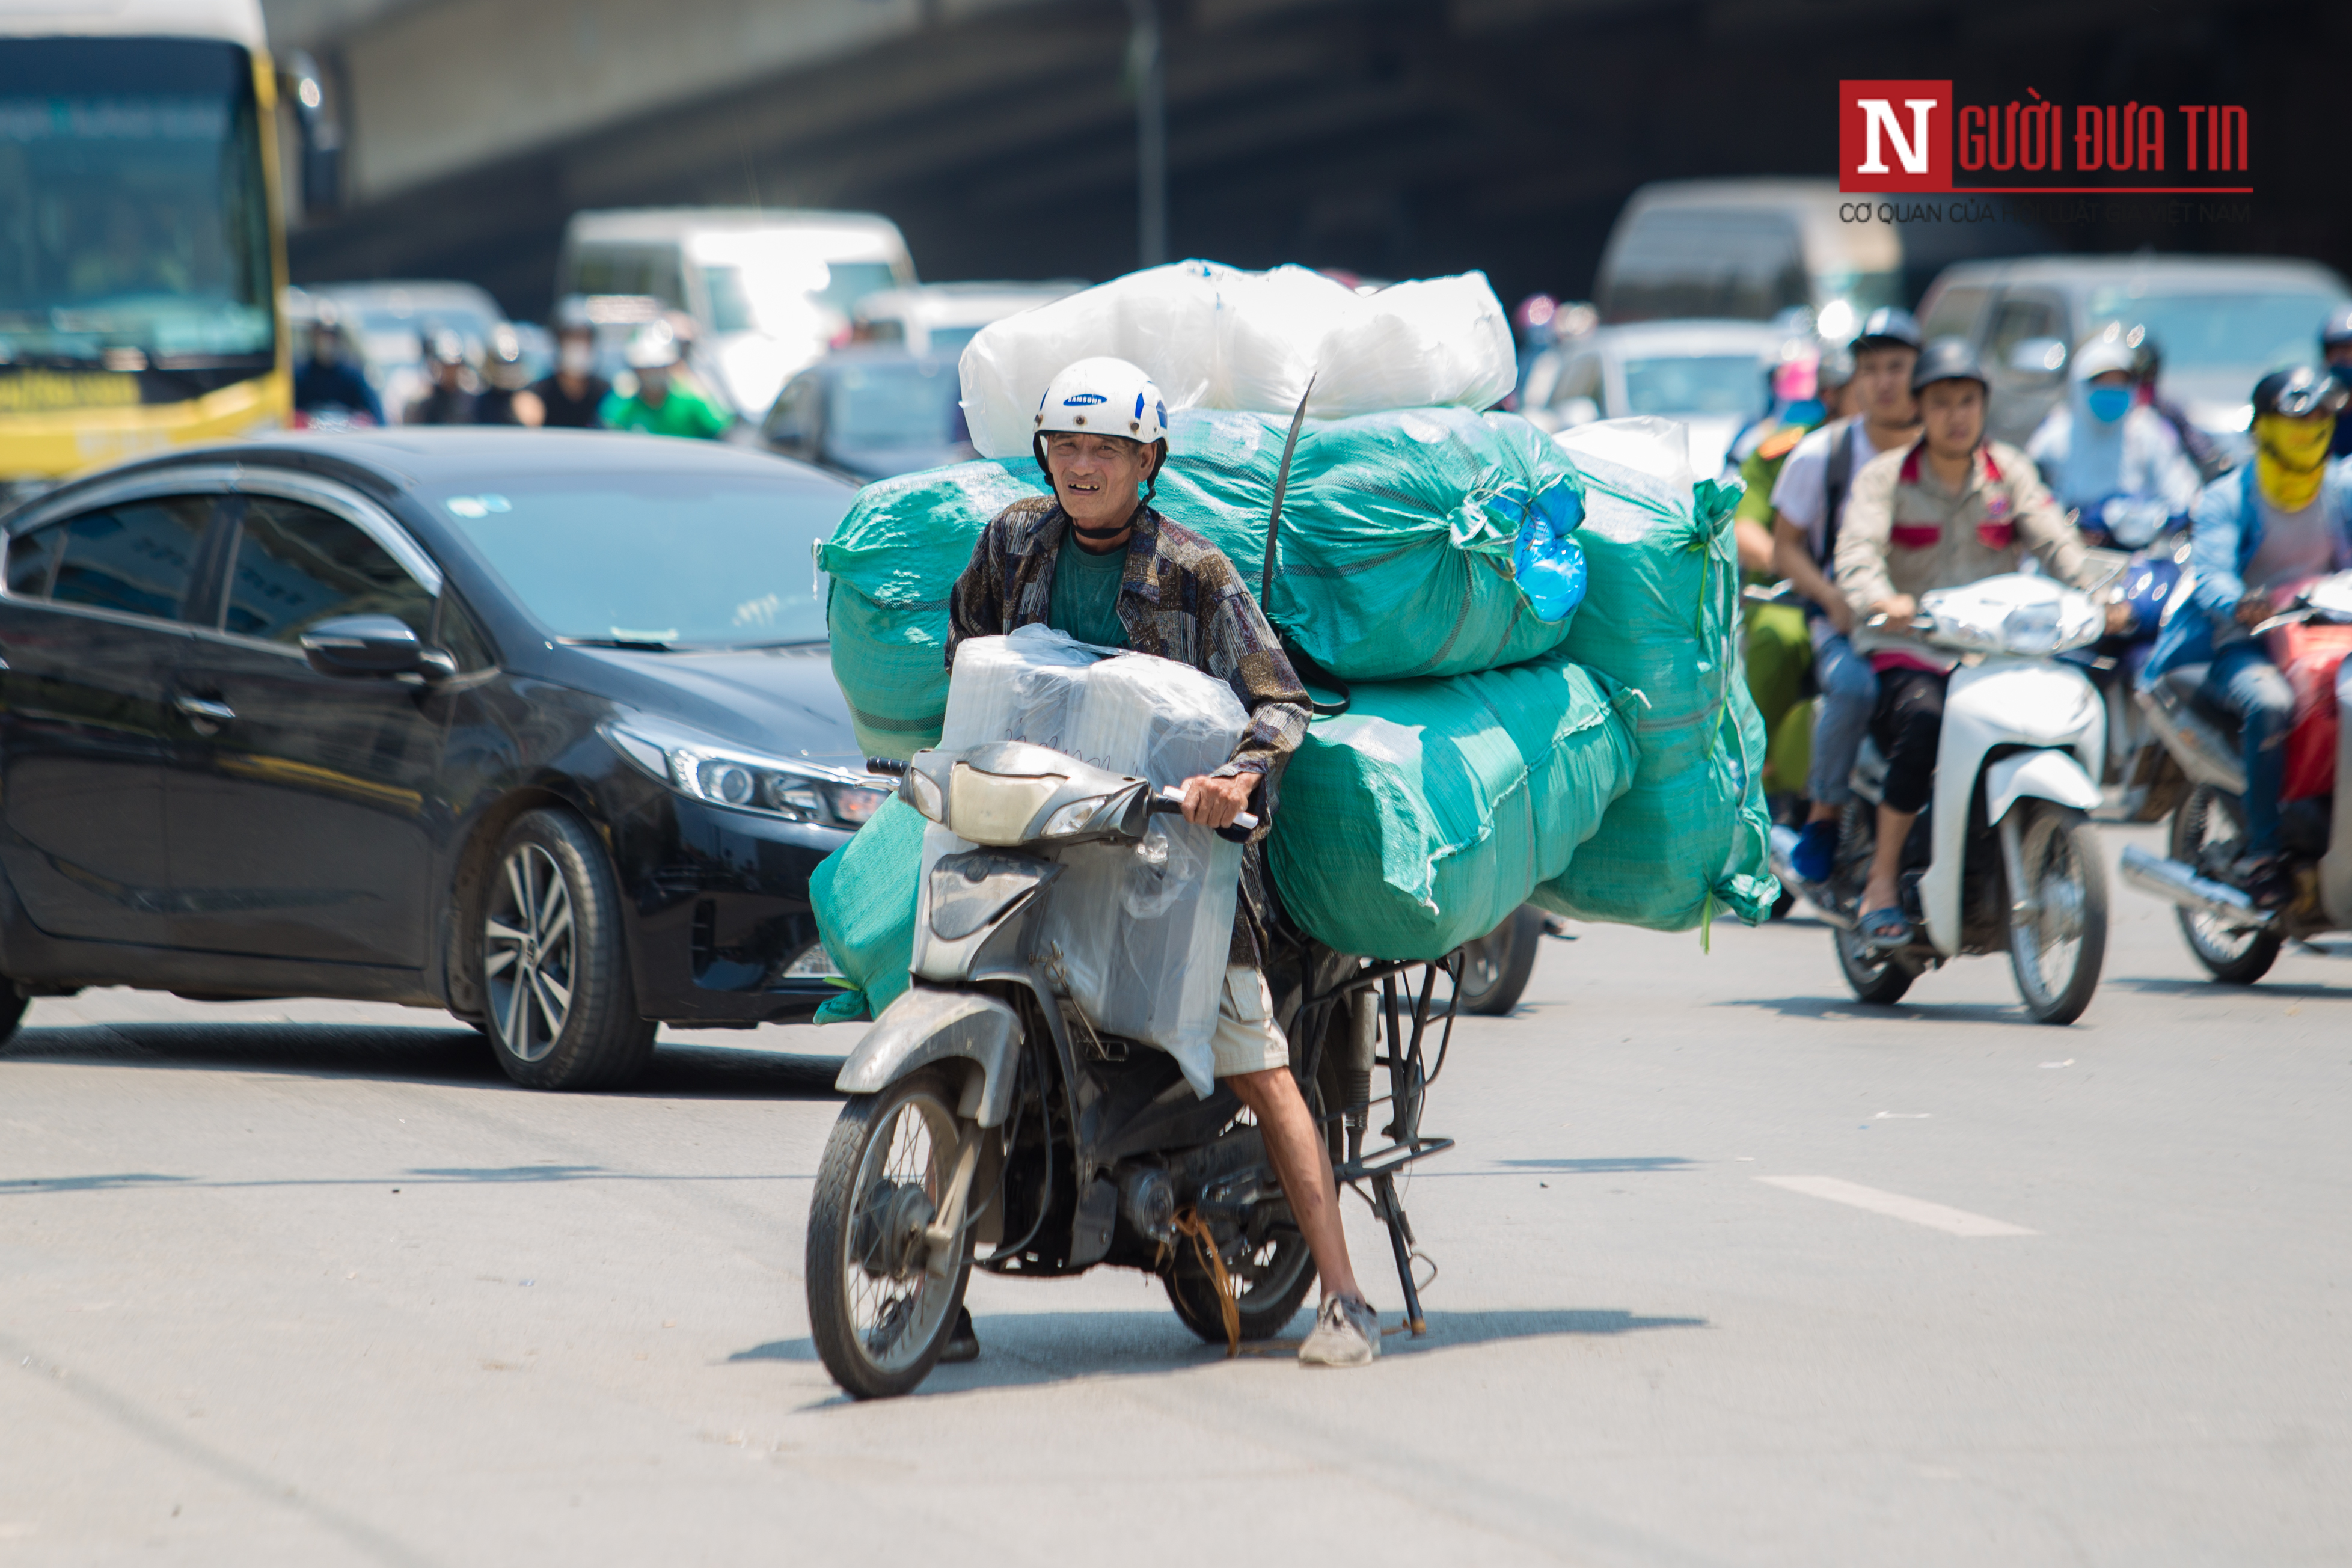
x: 1394, y: 136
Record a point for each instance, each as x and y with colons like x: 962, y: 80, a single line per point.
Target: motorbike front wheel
x: 2234, y: 955
x: 2056, y: 946
x: 880, y: 1316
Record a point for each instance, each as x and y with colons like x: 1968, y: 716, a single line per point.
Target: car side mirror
x: 2038, y: 356
x: 361, y: 646
x: 1578, y: 411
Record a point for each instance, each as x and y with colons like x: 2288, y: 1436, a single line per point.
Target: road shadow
x: 418, y: 1176
x: 2168, y: 987
x: 1026, y: 1349
x: 1608, y: 1165
x: 456, y: 1056
x: 1822, y: 1009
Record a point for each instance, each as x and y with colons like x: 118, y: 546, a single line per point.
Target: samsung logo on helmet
x: 1080, y: 399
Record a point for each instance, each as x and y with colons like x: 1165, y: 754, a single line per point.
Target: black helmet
x: 1947, y: 359
x: 1886, y: 326
x: 2338, y: 328
x: 2298, y: 393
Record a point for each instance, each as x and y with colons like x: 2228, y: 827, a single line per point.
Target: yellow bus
x: 142, y: 253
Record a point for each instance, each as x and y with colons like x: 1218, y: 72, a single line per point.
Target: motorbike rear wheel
x: 2057, y: 950
x: 1271, y: 1281
x: 1877, y: 978
x: 2234, y: 956
x: 880, y: 1316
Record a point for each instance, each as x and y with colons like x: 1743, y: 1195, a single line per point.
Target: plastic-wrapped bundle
x: 864, y: 895
x: 1426, y: 813
x: 1425, y: 542
x: 1136, y: 933
x: 1216, y: 337
x: 1662, y: 616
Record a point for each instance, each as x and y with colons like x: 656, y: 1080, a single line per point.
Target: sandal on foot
x: 1885, y: 929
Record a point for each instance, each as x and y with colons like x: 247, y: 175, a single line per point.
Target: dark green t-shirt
x: 1086, y: 595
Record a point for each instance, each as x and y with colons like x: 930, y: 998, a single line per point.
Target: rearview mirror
x: 357, y: 646
x: 2038, y: 356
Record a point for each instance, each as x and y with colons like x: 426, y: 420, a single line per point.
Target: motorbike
x: 2145, y: 551
x: 986, y: 1110
x: 2004, y: 856
x: 2235, y: 942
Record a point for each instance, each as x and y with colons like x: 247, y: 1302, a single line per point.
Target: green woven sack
x: 1427, y: 541
x: 864, y: 894
x: 1663, y: 617
x: 1426, y: 813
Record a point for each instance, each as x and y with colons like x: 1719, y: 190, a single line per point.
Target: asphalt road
x: 1731, y: 1271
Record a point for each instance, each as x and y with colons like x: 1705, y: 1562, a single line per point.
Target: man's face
x: 1954, y: 414
x: 653, y: 384
x: 1881, y: 392
x: 1096, y: 477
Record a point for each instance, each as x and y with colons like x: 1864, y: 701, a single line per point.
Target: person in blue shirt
x: 2257, y: 533
x: 2335, y: 353
x: 328, y: 383
x: 2108, y: 457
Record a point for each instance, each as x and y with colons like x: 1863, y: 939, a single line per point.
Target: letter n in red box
x: 1894, y: 136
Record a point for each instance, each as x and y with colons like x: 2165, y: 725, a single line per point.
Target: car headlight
x: 718, y: 773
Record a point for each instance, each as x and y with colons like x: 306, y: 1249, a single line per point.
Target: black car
x: 872, y: 412
x: 535, y: 726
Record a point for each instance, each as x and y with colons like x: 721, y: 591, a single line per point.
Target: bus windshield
x: 139, y: 233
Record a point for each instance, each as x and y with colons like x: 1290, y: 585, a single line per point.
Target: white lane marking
x: 1918, y: 1211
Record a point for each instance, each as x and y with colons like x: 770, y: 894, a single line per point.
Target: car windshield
x: 778, y: 296
x: 1694, y: 384
x: 659, y: 557
x: 136, y: 230
x: 394, y: 334
x: 2249, y: 331
x: 906, y: 403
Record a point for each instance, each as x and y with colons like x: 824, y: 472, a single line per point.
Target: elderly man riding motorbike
x: 1096, y: 561
x: 1951, y: 509
x: 2257, y: 533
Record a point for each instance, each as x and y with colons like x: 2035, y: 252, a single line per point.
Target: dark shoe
x: 1816, y: 852
x: 962, y: 1344
x: 2266, y: 882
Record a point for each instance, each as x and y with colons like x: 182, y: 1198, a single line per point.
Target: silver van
x: 769, y: 289
x: 1746, y: 249
x: 2219, y: 322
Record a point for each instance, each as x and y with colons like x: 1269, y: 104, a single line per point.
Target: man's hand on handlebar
x: 1896, y: 611
x: 2253, y: 610
x: 1215, y: 802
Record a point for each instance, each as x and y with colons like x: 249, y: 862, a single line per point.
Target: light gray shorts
x: 1247, y: 1039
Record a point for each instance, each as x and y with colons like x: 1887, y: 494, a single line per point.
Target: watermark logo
x: 1908, y: 137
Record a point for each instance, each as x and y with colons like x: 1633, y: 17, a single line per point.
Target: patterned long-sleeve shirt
x: 1178, y: 598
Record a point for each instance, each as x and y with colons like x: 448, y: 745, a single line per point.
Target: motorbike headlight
x: 997, y: 808
x: 711, y: 770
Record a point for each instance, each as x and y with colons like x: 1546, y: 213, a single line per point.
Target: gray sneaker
x: 1346, y: 1333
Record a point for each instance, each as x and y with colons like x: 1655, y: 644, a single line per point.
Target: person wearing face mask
x: 571, y: 395
x: 663, y: 404
x: 2257, y: 534
x: 1096, y: 560
x: 2112, y: 460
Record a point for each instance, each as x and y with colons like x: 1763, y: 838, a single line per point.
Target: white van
x: 771, y: 289
x: 1746, y: 249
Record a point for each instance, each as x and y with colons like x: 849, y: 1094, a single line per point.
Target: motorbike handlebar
x: 888, y: 767
x: 1170, y: 803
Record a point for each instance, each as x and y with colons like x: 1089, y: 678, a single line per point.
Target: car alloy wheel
x: 529, y: 948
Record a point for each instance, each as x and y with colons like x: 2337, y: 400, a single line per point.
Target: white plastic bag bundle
x: 1138, y: 935
x: 1216, y: 337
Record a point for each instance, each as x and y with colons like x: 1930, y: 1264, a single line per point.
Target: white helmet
x: 1101, y: 397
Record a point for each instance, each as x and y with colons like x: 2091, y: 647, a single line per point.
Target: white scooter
x: 2004, y: 856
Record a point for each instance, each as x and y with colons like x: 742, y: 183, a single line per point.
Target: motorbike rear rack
x: 1409, y: 1080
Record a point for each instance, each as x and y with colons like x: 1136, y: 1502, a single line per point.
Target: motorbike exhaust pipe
x: 2177, y: 884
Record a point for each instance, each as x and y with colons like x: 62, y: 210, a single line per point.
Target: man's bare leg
x: 1295, y: 1146
x: 1884, y: 889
